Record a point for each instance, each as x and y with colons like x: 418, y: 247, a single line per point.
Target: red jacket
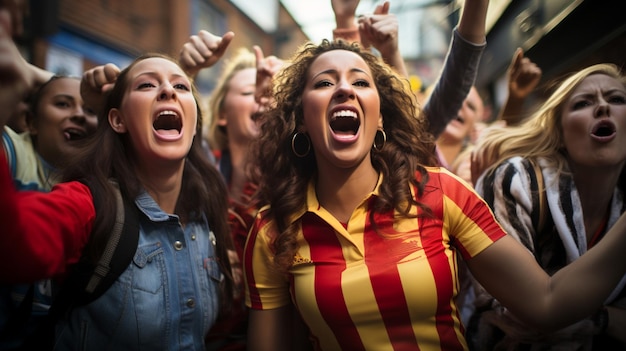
x: 42, y: 233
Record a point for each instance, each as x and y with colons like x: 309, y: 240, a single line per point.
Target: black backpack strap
x: 119, y: 251
x: 87, y: 282
x: 103, y: 267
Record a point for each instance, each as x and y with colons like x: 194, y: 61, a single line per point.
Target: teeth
x: 72, y: 134
x: 345, y: 113
x: 167, y: 112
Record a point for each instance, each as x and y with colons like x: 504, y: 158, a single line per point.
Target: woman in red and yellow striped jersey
x: 361, y: 230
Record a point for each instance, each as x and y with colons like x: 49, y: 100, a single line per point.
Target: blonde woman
x: 570, y: 156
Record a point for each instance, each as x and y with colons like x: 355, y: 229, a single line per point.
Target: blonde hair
x: 242, y: 59
x: 541, y: 134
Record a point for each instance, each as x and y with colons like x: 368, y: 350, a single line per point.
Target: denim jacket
x: 167, y: 299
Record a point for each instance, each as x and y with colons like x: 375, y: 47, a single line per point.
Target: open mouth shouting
x: 168, y: 124
x: 604, y: 131
x: 345, y: 124
x: 74, y: 134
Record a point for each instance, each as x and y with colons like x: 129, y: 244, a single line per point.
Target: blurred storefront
x: 560, y: 36
x: 70, y: 36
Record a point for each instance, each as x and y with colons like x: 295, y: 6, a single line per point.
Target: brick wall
x: 132, y: 25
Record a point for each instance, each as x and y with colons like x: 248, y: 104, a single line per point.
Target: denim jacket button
x: 191, y: 303
x: 178, y: 245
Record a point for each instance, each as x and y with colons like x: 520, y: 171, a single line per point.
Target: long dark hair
x: 283, y: 177
x: 107, y: 156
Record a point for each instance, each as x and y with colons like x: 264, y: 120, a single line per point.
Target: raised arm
x: 345, y: 20
x: 266, y: 69
x: 95, y: 82
x: 460, y: 67
x: 523, y: 77
x: 14, y: 77
x: 510, y: 274
x: 17, y: 76
x: 380, y: 30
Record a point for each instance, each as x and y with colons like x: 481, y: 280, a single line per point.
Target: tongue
x: 344, y: 132
x: 167, y: 132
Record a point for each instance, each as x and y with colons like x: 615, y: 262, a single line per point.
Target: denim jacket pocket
x: 150, y: 271
x: 211, y: 263
x: 213, y: 269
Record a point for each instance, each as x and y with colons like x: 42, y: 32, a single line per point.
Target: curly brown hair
x: 283, y: 177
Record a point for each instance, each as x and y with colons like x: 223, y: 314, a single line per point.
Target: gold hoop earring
x: 379, y: 140
x: 299, y: 149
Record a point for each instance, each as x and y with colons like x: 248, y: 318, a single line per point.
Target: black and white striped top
x: 512, y: 193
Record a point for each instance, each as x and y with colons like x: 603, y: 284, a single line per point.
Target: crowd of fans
x: 313, y: 202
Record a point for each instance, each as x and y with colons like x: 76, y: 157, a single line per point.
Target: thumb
x: 382, y: 9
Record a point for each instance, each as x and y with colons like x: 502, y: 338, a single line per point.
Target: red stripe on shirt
x: 383, y: 251
x: 255, y: 297
x: 328, y: 293
x: 433, y: 242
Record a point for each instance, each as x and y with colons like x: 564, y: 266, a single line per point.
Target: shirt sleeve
x: 454, y: 83
x: 42, y: 233
x: 467, y: 216
x: 266, y: 287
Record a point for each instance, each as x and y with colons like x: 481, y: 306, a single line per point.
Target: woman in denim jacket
x: 148, y: 141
